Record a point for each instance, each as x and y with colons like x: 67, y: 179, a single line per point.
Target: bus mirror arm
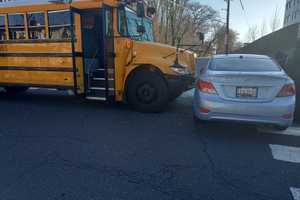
x: 183, y: 45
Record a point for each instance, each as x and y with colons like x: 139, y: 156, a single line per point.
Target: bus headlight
x: 180, y: 69
x: 195, y: 55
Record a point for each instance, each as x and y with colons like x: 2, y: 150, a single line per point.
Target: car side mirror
x: 140, y: 9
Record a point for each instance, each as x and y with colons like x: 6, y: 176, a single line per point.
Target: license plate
x: 246, y: 92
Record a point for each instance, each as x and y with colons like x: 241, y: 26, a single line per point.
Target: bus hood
x: 163, y: 56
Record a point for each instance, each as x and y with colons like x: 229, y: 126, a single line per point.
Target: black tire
x: 15, y: 89
x: 147, y: 91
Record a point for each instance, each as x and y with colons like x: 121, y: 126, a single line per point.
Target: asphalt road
x: 57, y: 147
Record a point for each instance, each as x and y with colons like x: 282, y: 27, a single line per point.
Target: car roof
x: 255, y: 56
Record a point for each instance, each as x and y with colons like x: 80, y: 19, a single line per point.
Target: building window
x: 36, y: 25
x: 16, y: 27
x: 59, y: 24
x: 2, y: 28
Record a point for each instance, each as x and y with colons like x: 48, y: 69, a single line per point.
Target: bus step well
x: 100, y: 84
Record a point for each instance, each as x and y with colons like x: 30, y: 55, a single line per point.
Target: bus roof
x: 13, y: 3
x: 16, y: 3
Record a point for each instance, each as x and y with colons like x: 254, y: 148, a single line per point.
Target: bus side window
x: 122, y: 29
x: 36, y: 25
x: 2, y: 28
x: 16, y: 27
x: 108, y: 23
x: 59, y: 24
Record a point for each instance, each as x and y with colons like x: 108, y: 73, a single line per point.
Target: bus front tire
x: 147, y: 92
x: 15, y: 89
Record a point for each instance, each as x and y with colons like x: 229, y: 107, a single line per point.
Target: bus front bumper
x: 179, y: 84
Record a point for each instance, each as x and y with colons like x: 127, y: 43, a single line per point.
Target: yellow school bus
x: 100, y: 49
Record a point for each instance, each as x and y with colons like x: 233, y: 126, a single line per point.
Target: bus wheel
x: 15, y: 89
x: 147, y: 92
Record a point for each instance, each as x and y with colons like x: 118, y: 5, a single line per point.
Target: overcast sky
x: 256, y: 11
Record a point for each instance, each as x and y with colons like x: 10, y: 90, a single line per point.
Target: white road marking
x: 294, y: 131
x: 285, y: 153
x: 295, y: 193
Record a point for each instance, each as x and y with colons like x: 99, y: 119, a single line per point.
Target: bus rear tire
x: 147, y: 91
x: 15, y: 89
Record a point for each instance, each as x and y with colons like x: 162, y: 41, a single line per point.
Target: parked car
x: 245, y: 88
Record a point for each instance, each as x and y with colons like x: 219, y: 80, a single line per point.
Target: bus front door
x: 97, y: 43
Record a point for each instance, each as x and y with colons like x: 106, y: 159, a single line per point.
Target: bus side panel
x: 39, y: 64
x: 36, y: 78
x: 36, y: 47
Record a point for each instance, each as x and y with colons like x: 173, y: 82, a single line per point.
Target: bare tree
x: 179, y: 21
x: 220, y: 39
x: 263, y: 28
x: 253, y: 33
x: 275, y: 22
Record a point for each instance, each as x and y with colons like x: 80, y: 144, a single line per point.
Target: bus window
x: 16, y: 27
x: 2, y: 28
x: 122, y: 29
x: 108, y: 23
x: 36, y: 25
x: 59, y: 24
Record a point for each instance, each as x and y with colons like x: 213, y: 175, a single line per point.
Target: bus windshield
x: 133, y: 21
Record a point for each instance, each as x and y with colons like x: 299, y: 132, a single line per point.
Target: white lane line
x: 285, y: 153
x: 296, y: 193
x: 294, y: 131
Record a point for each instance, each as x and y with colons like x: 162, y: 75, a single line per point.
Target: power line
x: 242, y: 5
x: 227, y: 27
x: 245, y: 14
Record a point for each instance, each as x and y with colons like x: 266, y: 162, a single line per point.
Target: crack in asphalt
x: 157, y: 181
x: 162, y: 181
x: 217, y: 175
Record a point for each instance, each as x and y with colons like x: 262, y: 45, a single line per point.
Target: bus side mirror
x: 151, y: 11
x: 140, y: 9
x: 201, y: 36
x: 141, y: 29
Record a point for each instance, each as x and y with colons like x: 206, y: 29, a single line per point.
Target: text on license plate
x: 250, y: 92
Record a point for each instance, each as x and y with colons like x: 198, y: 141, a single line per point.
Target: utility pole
x: 227, y: 28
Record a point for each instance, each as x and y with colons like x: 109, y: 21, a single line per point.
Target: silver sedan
x: 245, y: 88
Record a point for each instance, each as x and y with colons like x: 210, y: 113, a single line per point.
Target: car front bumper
x: 264, y: 112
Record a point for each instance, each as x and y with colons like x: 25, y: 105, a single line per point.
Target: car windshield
x: 132, y: 23
x: 244, y: 64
